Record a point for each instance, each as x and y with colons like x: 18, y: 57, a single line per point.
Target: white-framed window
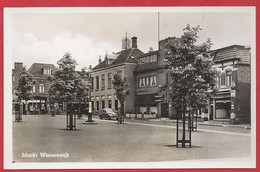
x: 41, y: 88
x: 103, y: 81
x: 33, y: 89
x: 109, y: 80
x: 153, y: 80
x: 229, y: 78
x: 147, y: 81
x: 47, y: 71
x: 223, y: 79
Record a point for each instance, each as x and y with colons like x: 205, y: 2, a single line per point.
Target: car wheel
x: 100, y: 117
x: 108, y: 117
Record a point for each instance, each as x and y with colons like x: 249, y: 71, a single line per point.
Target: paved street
x: 134, y: 141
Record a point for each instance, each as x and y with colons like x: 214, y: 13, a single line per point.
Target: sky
x: 44, y: 37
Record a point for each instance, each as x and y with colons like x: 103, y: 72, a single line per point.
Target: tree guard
x: 183, y: 130
x: 71, y: 116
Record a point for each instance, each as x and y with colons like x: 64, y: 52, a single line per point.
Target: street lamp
x: 90, y: 120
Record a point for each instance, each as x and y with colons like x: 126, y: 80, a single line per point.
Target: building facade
x: 103, y: 94
x: 39, y: 71
x: 232, y: 102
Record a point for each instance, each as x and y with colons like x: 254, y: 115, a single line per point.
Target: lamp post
x: 90, y: 120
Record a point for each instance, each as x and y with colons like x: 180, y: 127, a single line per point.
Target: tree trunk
x: 183, y: 129
x: 71, y: 117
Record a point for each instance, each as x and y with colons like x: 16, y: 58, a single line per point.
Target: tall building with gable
x: 124, y: 62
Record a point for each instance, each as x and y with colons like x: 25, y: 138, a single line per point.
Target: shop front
x: 146, y: 104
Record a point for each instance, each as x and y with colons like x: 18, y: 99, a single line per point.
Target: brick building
x: 39, y: 72
x: 124, y: 62
x: 150, y: 77
x: 233, y: 63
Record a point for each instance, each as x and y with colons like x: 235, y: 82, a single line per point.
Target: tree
x: 67, y: 84
x: 190, y: 67
x: 120, y: 87
x: 82, y: 89
x: 25, y: 86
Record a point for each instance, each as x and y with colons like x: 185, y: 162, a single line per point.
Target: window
x: 141, y: 82
x: 147, y: 81
x: 13, y: 78
x: 109, y: 101
x: 97, y: 82
x: 153, y: 80
x: 92, y: 83
x: 219, y: 81
x: 229, y: 78
x: 103, y: 104
x: 46, y: 71
x: 41, y: 88
x: 154, y: 58
x: 97, y: 102
x: 148, y: 59
x: 223, y: 79
x: 33, y: 88
x: 109, y: 80
x: 103, y: 81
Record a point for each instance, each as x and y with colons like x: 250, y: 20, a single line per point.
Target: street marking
x: 204, y: 130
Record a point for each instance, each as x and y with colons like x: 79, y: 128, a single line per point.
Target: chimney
x: 134, y: 42
x: 99, y: 60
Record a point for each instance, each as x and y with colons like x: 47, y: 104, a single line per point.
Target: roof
x: 242, y: 53
x: 147, y: 67
x: 148, y: 54
x: 125, y: 56
x: 36, y: 68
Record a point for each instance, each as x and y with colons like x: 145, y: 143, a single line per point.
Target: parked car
x: 108, y: 113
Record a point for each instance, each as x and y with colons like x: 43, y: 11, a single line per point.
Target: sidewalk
x: 206, y: 123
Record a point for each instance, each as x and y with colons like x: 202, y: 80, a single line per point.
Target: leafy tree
x: 82, y: 88
x: 190, y: 68
x: 67, y: 84
x: 25, y: 86
x: 120, y: 87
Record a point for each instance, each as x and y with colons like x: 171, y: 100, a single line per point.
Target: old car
x: 108, y: 113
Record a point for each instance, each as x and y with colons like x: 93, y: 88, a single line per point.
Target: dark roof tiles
x: 125, y: 56
x: 37, y: 68
x: 232, y: 52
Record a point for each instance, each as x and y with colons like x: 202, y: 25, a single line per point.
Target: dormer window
x: 46, y: 71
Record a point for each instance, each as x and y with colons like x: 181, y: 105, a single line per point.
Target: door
x: 165, y: 110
